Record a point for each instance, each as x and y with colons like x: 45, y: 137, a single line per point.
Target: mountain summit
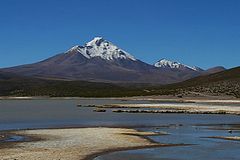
x: 164, y: 63
x: 102, y: 48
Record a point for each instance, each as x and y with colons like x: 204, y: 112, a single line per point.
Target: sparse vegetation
x: 223, y: 83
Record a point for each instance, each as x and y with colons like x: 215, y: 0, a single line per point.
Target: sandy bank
x: 180, y: 108
x: 236, y: 138
x: 75, y: 144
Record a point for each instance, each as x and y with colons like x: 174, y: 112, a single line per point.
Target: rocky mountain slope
x: 101, y: 61
x: 222, y: 83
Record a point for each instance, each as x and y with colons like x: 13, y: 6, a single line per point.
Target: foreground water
x: 182, y: 128
x: 203, y: 148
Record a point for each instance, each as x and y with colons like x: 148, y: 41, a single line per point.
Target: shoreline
x: 236, y: 138
x: 91, y: 157
x: 146, y: 98
x: 106, y: 140
x: 178, y: 108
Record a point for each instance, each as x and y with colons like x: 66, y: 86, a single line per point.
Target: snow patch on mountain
x: 164, y: 63
x: 102, y: 48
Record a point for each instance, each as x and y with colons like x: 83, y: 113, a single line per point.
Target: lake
x: 182, y: 128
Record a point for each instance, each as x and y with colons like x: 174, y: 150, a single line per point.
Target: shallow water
x: 202, y: 148
x: 21, y: 114
x: 15, y: 138
x: 184, y: 128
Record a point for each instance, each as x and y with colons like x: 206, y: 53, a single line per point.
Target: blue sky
x: 204, y: 33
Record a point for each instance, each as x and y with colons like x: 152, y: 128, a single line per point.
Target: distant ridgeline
x: 222, y: 83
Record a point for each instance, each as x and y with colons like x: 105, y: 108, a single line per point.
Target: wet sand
x: 72, y: 144
x: 235, y: 138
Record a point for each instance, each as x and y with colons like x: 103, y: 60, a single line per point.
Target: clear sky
x: 204, y: 33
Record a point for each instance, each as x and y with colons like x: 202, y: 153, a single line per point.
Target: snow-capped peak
x: 99, y: 47
x: 74, y: 48
x: 164, y: 63
x: 197, y: 68
x: 95, y: 41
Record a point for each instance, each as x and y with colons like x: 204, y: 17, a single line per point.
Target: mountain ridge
x: 101, y: 61
x: 222, y: 83
x: 164, y: 63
